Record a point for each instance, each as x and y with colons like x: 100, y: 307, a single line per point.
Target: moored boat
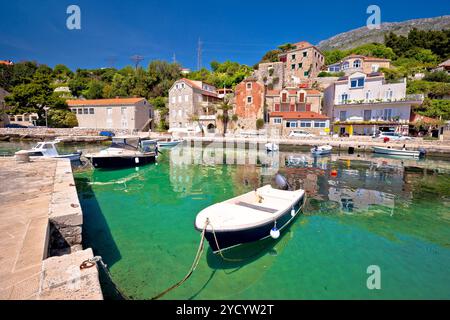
x: 321, y: 150
x: 169, y: 143
x: 272, y: 147
x: 251, y: 217
x: 48, y: 150
x: 400, y: 152
x: 125, y: 152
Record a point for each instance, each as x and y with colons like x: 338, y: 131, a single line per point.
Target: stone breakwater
x: 40, y: 234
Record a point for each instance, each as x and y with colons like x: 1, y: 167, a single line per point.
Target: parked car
x: 300, y: 134
x: 392, y: 136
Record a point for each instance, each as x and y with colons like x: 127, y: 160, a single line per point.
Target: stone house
x: 358, y: 63
x: 192, y: 106
x: 294, y: 99
x: 133, y: 114
x: 363, y: 104
x: 271, y: 74
x: 444, y: 66
x: 249, y: 103
x: 303, y: 62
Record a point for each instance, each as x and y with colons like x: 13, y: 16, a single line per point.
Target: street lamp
x: 46, y: 116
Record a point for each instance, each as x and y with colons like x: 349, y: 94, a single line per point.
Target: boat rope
x: 220, y: 250
x: 99, y: 261
x: 193, y: 267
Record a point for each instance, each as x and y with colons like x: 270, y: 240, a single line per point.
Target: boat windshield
x: 148, y: 146
x: 125, y: 143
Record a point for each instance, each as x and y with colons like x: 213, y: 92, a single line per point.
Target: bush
x: 259, y: 124
x: 439, y: 76
x: 324, y: 74
x: 58, y: 118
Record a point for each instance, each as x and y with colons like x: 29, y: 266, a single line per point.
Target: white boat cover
x: 248, y: 210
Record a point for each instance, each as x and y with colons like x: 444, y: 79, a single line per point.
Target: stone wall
x: 274, y: 77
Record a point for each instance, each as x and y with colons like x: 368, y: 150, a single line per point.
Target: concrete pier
x: 39, y: 199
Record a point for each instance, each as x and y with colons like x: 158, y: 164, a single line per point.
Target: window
x: 85, y: 111
x: 357, y: 83
x: 387, y: 114
x: 342, y: 115
x: 367, y: 115
x: 74, y: 111
x: 320, y: 124
x: 277, y: 120
x: 375, y: 68
x: 368, y: 95
x: 91, y: 111
x: 179, y: 98
x: 291, y: 124
x: 249, y: 99
x: 301, y: 97
x: 293, y: 66
x: 277, y: 107
x: 174, y: 99
x: 300, y: 65
x: 284, y: 97
x: 357, y: 64
x: 334, y: 69
x: 249, y: 85
x: 205, y: 99
x: 306, y: 73
x: 344, y: 98
x: 305, y: 54
x: 186, y: 98
x: 345, y: 65
x: 182, y: 86
x: 80, y: 111
x: 305, y: 124
x: 293, y: 57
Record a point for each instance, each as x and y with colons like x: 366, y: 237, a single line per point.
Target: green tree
x: 94, y: 90
x: 61, y: 118
x: 224, y: 107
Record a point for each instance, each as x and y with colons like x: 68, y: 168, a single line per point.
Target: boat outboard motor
x: 422, y: 152
x: 282, y: 182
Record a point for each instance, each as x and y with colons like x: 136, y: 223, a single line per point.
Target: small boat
x: 272, y: 147
x: 48, y: 150
x: 296, y: 161
x: 317, y: 151
x: 251, y: 217
x: 125, y: 152
x: 169, y: 143
x: 400, y: 152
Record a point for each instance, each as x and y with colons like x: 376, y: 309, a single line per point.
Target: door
x: 109, y: 120
x: 124, y: 118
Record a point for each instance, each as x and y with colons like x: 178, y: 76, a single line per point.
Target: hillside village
x: 295, y: 88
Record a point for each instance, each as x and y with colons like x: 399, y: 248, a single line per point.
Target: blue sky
x: 238, y: 30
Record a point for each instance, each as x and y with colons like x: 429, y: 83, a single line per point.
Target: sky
x: 238, y: 30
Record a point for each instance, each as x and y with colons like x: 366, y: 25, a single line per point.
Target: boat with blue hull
x: 251, y: 217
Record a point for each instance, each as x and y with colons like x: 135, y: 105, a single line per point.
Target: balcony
x: 413, y: 98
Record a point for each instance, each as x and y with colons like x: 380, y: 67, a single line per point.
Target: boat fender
x: 136, y: 160
x: 275, y: 233
x: 293, y: 213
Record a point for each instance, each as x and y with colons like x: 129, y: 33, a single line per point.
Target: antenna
x: 199, y: 54
x: 137, y: 59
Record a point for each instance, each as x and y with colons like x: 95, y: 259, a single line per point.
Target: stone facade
x: 249, y: 101
x: 192, y: 106
x: 271, y: 74
x: 302, y: 63
x: 294, y: 99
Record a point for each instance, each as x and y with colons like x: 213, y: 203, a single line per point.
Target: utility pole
x: 199, y: 54
x: 137, y: 59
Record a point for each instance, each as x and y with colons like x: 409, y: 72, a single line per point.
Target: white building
x: 363, y: 104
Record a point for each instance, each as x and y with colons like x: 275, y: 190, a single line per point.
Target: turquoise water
x: 391, y: 213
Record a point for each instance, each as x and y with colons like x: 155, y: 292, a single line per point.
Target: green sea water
x: 387, y: 212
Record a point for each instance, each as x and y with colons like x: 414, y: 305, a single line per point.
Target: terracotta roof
x: 299, y: 115
x: 313, y: 91
x: 6, y: 62
x: 415, y: 118
x: 273, y: 92
x: 195, y: 85
x: 445, y: 63
x: 104, y: 102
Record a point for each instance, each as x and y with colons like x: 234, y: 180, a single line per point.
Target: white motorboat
x: 400, y: 152
x: 48, y: 150
x: 251, y: 217
x: 272, y: 147
x: 125, y: 152
x: 322, y: 150
x: 169, y: 143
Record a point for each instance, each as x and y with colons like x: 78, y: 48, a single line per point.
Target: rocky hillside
x: 357, y: 37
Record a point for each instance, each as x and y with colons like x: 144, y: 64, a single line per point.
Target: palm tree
x: 224, y: 106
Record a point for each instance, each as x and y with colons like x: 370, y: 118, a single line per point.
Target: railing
x: 413, y: 97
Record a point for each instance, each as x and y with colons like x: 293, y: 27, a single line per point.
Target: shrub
x: 259, y: 124
x: 62, y: 119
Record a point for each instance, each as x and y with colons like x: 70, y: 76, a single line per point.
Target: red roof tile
x: 104, y: 102
x: 299, y: 115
